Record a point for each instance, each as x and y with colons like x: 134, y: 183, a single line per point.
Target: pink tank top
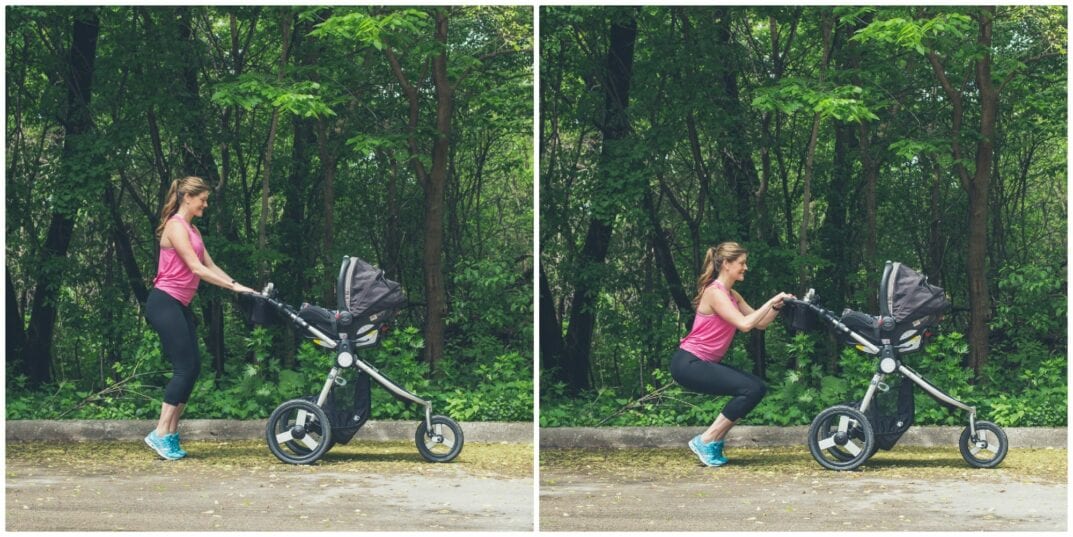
x: 172, y: 275
x: 711, y: 334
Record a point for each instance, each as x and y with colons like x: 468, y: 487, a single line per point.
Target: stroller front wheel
x: 841, y: 438
x: 987, y: 449
x: 298, y: 432
x: 441, y: 444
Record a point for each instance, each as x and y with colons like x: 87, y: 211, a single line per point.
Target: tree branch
x: 483, y: 59
x: 1024, y: 63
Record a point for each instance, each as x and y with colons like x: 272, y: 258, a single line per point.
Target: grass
x: 220, y: 459
x: 1041, y: 465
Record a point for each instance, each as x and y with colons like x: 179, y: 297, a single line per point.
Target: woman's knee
x: 757, y: 390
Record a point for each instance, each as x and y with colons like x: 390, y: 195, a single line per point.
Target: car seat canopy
x: 906, y: 295
x: 364, y: 290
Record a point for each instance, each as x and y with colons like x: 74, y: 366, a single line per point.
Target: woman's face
x: 736, y: 269
x: 198, y: 203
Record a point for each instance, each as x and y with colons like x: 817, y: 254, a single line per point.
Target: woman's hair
x: 713, y: 261
x: 187, y: 186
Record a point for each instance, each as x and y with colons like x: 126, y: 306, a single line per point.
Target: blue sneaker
x: 709, y: 453
x: 173, y: 440
x: 715, y: 451
x: 162, y: 446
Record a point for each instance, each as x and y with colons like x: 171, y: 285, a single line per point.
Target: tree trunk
x: 435, y: 292
x: 16, y: 328
x: 835, y: 233
x: 806, y: 203
x: 870, y: 170
x: 598, y: 237
x: 393, y: 254
x: 979, y: 296
x: 552, y: 349
x: 262, y: 230
x: 123, y: 245
x: 665, y: 261
x: 328, y: 163
x: 37, y: 358
x: 977, y: 184
x: 738, y: 164
x: 198, y: 160
x: 935, y: 228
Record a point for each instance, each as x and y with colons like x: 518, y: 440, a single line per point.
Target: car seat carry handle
x: 341, y: 283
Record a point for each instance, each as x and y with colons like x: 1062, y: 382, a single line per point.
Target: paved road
x: 583, y: 491
x: 355, y: 488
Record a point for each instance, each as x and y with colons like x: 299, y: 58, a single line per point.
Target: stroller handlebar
x: 831, y: 318
x: 269, y: 293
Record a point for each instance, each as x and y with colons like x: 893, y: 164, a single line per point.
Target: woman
x: 182, y: 264
x: 721, y: 312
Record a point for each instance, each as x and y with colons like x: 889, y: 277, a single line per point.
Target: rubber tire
x: 864, y: 433
x: 309, y: 456
x: 299, y: 448
x: 422, y: 435
x: 839, y: 454
x: 964, y: 445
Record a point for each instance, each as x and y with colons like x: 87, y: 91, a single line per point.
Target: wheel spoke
x: 827, y: 443
x: 284, y: 437
x: 843, y: 423
x: 309, y: 442
x: 301, y: 418
x: 853, y: 448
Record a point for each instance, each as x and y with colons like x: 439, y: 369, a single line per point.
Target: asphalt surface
x: 371, y: 487
x: 583, y: 491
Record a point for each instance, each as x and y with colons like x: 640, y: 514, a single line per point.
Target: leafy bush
x: 498, y: 388
x: 1032, y: 397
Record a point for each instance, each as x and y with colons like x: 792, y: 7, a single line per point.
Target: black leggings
x: 175, y: 324
x: 717, y: 379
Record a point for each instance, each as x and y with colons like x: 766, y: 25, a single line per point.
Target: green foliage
x: 193, y: 91
x: 249, y: 91
x: 371, y: 30
x: 843, y: 103
x: 915, y: 34
x: 498, y: 389
x: 734, y: 168
x: 796, y: 396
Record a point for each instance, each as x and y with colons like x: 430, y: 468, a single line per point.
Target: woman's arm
x: 723, y: 307
x: 215, y: 268
x: 176, y: 233
x: 746, y: 309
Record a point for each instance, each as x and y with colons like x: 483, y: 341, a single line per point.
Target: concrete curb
x: 763, y: 436
x: 129, y: 430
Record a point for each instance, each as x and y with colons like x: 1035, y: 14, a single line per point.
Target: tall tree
x: 432, y: 180
x: 613, y: 167
x: 78, y: 153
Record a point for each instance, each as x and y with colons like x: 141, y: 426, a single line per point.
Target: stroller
x: 844, y: 436
x: 301, y: 431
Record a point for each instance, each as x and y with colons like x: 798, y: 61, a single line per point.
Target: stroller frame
x: 889, y: 363
x: 842, y: 438
x: 430, y: 431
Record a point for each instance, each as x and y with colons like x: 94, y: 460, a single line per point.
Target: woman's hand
x: 777, y: 301
x: 239, y: 288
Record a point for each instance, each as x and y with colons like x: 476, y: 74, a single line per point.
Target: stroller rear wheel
x: 987, y: 449
x: 441, y: 444
x: 841, y: 438
x: 298, y: 432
